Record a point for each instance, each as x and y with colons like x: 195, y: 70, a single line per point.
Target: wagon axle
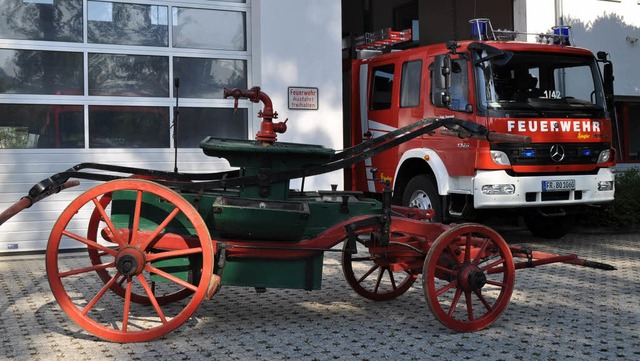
x: 130, y: 261
x: 471, y: 278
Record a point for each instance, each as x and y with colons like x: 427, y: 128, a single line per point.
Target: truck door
x: 379, y: 117
x: 452, y: 97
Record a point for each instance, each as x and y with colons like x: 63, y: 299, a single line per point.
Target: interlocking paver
x: 557, y: 312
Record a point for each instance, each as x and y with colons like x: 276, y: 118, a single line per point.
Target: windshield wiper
x: 499, y: 57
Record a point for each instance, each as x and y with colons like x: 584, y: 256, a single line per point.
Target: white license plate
x: 558, y: 185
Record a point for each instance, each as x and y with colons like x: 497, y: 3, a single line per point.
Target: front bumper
x: 529, y: 193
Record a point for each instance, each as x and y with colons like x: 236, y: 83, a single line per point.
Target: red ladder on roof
x: 381, y: 39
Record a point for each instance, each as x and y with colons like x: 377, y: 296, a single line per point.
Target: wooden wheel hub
x: 130, y: 261
x: 471, y: 278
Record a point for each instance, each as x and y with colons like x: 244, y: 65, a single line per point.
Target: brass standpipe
x: 268, y: 129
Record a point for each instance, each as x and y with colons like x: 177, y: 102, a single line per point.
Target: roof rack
x: 381, y: 39
x: 375, y: 43
x: 481, y: 29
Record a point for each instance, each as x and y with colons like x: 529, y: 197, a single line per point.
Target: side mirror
x: 607, y: 73
x: 602, y: 56
x: 441, y: 80
x: 608, y: 79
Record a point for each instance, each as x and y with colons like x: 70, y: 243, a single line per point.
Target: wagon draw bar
x: 198, y: 182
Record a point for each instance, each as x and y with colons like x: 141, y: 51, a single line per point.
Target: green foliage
x: 624, y: 211
x: 13, y: 137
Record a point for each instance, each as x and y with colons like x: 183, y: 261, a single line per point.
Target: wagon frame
x: 159, y: 243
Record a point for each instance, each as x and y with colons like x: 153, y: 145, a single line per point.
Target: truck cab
x: 551, y: 92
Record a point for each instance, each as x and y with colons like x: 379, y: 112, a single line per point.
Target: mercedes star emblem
x: 557, y: 153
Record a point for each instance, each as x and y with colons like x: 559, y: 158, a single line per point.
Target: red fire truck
x: 550, y: 91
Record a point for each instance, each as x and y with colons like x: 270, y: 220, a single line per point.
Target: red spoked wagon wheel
x: 378, y: 273
x: 98, y: 257
x: 468, y: 277
x: 159, y: 226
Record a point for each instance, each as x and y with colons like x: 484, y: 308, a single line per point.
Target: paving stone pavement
x: 557, y: 312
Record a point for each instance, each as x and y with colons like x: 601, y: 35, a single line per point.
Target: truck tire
x: 549, y: 227
x: 421, y: 192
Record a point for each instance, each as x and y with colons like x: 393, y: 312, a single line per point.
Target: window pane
x: 206, y: 78
x: 128, y: 24
x: 41, y: 20
x: 40, y: 72
x: 41, y: 126
x: 633, y: 130
x: 410, y: 89
x: 542, y: 81
x: 381, y: 87
x: 195, y: 124
x: 209, y: 29
x: 459, y: 86
x: 573, y: 82
x: 128, y: 75
x: 128, y: 127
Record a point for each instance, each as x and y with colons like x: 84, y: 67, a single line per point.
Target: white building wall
x: 613, y: 27
x: 610, y: 26
x: 298, y: 43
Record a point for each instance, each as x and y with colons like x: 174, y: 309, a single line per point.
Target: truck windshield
x: 542, y: 82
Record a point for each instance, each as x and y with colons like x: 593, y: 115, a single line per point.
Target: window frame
x: 85, y: 47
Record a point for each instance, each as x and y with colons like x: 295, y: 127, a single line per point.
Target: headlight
x: 503, y: 189
x: 605, y: 185
x: 500, y: 158
x: 604, y: 156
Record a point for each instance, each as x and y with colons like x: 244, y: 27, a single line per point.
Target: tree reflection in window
x: 197, y: 123
x: 207, y: 78
x: 40, y: 72
x: 41, y: 20
x: 128, y: 127
x: 209, y: 29
x: 41, y: 126
x: 128, y: 75
x: 127, y: 24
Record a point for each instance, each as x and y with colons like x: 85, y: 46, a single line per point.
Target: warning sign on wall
x: 303, y: 98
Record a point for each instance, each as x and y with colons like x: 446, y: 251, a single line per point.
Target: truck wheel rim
x: 420, y: 199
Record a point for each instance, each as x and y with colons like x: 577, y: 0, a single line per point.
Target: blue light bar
x: 586, y: 152
x: 480, y: 29
x: 562, y: 35
x: 529, y: 153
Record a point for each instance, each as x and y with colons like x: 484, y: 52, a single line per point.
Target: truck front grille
x: 552, y: 196
x: 552, y: 153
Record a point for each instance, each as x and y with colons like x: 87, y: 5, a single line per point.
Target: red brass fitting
x: 268, y: 130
